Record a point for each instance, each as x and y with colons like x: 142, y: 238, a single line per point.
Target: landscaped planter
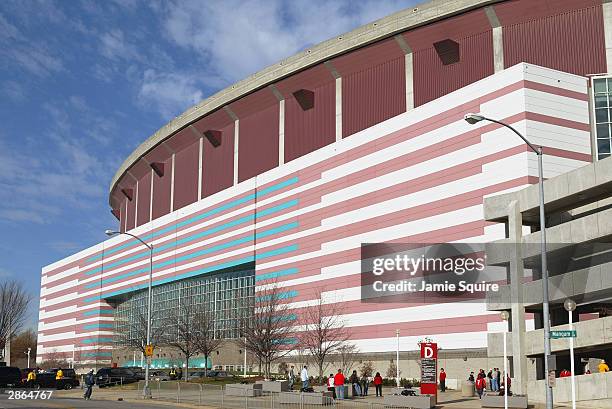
x: 495, y: 401
x: 243, y: 389
x: 306, y: 398
x: 416, y: 402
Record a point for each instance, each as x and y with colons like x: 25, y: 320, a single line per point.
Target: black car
x: 9, y: 375
x: 115, y: 376
x: 138, y: 371
x: 48, y: 379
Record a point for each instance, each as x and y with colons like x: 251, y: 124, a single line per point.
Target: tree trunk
x: 186, y: 367
x: 205, y: 365
x: 321, y: 372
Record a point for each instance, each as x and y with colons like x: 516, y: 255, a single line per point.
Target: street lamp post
x: 397, y: 371
x: 570, y: 306
x: 146, y: 392
x: 472, y: 119
x: 30, y: 350
x: 505, y: 316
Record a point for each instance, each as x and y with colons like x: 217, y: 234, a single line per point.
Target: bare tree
x: 55, y: 360
x: 180, y: 331
x: 13, y: 309
x: 392, y: 371
x: 19, y: 348
x: 324, y: 332
x: 207, y: 338
x: 269, y: 330
x: 367, y: 368
x: 134, y: 335
x: 346, y: 357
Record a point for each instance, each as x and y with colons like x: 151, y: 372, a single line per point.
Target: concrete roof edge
x: 375, y: 31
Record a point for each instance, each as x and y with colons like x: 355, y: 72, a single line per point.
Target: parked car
x: 195, y: 375
x: 47, y: 379
x: 218, y: 374
x: 115, y: 376
x: 138, y: 371
x: 9, y: 376
x: 159, y: 376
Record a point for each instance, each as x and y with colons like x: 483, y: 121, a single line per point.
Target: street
x: 70, y: 403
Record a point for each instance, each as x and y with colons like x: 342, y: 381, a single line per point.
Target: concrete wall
x: 594, y: 390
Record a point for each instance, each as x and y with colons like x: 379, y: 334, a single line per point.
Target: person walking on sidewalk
x: 365, y: 383
x: 291, y: 378
x: 304, y: 378
x: 89, y: 383
x: 330, y: 385
x: 442, y: 380
x: 480, y: 385
x: 378, y: 384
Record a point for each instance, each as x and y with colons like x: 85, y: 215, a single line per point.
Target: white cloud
x: 114, y: 46
x: 169, y: 93
x: 237, y: 38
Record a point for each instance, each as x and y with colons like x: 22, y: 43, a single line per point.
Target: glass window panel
x: 604, y: 155
x: 610, y: 84
x: 601, y: 101
x: 599, y: 85
x: 603, y: 131
x: 601, y: 115
x: 603, y: 146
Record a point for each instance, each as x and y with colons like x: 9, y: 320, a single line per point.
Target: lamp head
x: 110, y: 233
x: 473, y: 118
x: 569, y: 304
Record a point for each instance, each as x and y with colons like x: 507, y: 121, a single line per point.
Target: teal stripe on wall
x: 96, y: 326
x: 196, y: 236
x: 98, y: 354
x: 272, y: 253
x: 97, y: 312
x: 242, y: 240
x: 277, y: 274
x: 212, y: 212
x: 96, y: 340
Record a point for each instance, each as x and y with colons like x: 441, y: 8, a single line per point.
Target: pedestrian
x: 442, y: 380
x: 354, y: 381
x: 339, y: 384
x: 471, y: 377
x: 304, y: 378
x: 179, y: 373
x: 490, y: 378
x: 378, y: 384
x: 365, y: 383
x: 497, y: 376
x: 603, y: 367
x: 59, y: 374
x: 172, y: 373
x: 330, y: 385
x: 291, y: 377
x: 564, y: 373
x: 480, y: 385
x: 494, y: 383
x: 31, y: 378
x: 89, y: 383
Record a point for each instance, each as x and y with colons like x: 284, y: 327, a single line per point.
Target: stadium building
x: 280, y: 177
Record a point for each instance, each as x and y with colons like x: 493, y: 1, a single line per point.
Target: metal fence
x: 214, y: 395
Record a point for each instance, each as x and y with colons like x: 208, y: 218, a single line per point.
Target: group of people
x: 490, y: 381
x: 175, y: 373
x: 336, y: 383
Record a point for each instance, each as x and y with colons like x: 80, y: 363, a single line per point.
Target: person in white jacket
x: 304, y: 377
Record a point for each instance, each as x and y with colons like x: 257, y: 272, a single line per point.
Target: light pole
x: 570, y: 306
x: 472, y: 119
x: 30, y: 350
x: 146, y: 392
x: 505, y: 316
x: 397, y: 371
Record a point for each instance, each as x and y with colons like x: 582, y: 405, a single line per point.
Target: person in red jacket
x: 378, y: 384
x: 480, y: 385
x: 442, y: 380
x: 339, y: 384
x: 565, y: 373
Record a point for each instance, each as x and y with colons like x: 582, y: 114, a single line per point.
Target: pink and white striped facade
x: 418, y: 177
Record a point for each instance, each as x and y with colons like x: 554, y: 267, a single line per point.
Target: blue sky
x: 83, y: 82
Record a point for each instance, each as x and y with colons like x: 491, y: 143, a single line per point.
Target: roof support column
x: 338, y: 79
x: 281, y: 124
x: 607, y: 22
x: 233, y: 116
x: 519, y: 361
x: 409, y: 70
x: 498, y: 41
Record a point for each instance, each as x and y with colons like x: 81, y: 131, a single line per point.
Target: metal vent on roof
x: 448, y: 51
x: 305, y: 98
x: 158, y: 168
x: 129, y: 193
x: 214, y: 137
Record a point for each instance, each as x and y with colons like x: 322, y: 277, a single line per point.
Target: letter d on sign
x: 428, y: 352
